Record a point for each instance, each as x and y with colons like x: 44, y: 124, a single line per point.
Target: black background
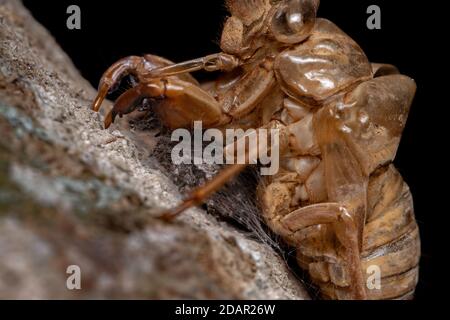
x: 181, y: 30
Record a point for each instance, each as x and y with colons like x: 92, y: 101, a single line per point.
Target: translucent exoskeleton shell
x: 337, y: 198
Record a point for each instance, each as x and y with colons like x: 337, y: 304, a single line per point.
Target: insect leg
x: 123, y: 67
x: 129, y: 100
x: 200, y: 194
x: 214, y: 62
x: 345, y: 228
x: 136, y: 66
x: 180, y: 103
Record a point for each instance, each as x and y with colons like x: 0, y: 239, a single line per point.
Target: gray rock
x: 72, y: 193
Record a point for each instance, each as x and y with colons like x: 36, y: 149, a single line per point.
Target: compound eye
x: 294, y: 20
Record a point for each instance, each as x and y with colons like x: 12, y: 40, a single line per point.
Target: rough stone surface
x: 72, y: 193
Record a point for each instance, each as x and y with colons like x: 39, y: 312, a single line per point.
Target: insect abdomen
x: 391, y: 236
x: 391, y: 245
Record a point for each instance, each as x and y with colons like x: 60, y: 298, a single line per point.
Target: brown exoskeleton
x: 337, y: 197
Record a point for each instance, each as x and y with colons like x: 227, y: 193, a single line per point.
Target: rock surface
x: 72, y: 193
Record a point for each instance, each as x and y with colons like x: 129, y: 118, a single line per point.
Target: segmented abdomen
x: 391, y: 245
